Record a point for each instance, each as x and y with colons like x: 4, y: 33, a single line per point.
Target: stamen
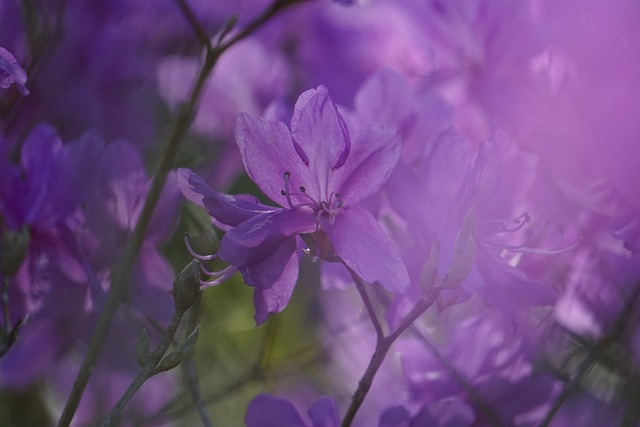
x: 228, y: 272
x: 286, y: 191
x: 194, y: 253
x: 507, y: 226
x: 522, y: 249
x: 519, y: 222
x: 210, y: 273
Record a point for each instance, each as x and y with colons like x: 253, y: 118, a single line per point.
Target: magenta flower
x: 319, y: 174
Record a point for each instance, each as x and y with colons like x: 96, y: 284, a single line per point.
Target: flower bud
x: 187, y: 286
x: 181, y: 352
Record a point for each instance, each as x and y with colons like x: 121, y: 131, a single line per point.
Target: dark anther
x: 302, y: 189
x: 284, y: 193
x: 287, y: 174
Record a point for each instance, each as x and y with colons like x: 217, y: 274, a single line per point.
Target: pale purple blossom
x: 319, y: 174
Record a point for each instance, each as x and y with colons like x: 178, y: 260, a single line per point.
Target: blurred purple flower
x: 475, y: 217
x: 247, y: 79
x: 40, y: 199
x: 11, y: 72
x: 484, y: 352
x: 110, y: 217
x: 320, y: 175
x: 268, y: 411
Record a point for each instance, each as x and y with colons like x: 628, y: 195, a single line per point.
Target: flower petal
x: 269, y: 411
x: 324, y: 413
x: 256, y: 239
x: 266, y: 273
x: 374, y: 153
x: 275, y: 298
x: 321, y: 133
x: 268, y: 153
x: 228, y: 210
x: 365, y: 247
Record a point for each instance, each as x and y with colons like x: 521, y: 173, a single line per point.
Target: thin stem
x: 194, y: 23
x: 122, y: 272
x: 189, y: 368
x: 383, y: 345
x: 367, y: 303
x: 146, y: 372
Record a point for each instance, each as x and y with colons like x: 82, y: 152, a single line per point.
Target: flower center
x: 328, y: 207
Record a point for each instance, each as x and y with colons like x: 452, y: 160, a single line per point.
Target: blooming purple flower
x: 11, y: 72
x: 320, y: 174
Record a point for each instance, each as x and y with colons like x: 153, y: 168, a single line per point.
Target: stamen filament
x: 225, y: 276
x: 520, y: 222
x: 524, y: 250
x: 194, y: 253
x: 210, y: 273
x: 286, y: 191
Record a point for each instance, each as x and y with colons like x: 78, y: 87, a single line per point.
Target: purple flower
x: 46, y: 269
x: 11, y: 72
x: 269, y: 411
x: 320, y: 175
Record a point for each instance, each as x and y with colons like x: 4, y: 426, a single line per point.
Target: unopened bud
x: 187, y: 286
x: 181, y: 352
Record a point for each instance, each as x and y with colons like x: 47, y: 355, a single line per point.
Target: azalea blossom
x: 319, y: 174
